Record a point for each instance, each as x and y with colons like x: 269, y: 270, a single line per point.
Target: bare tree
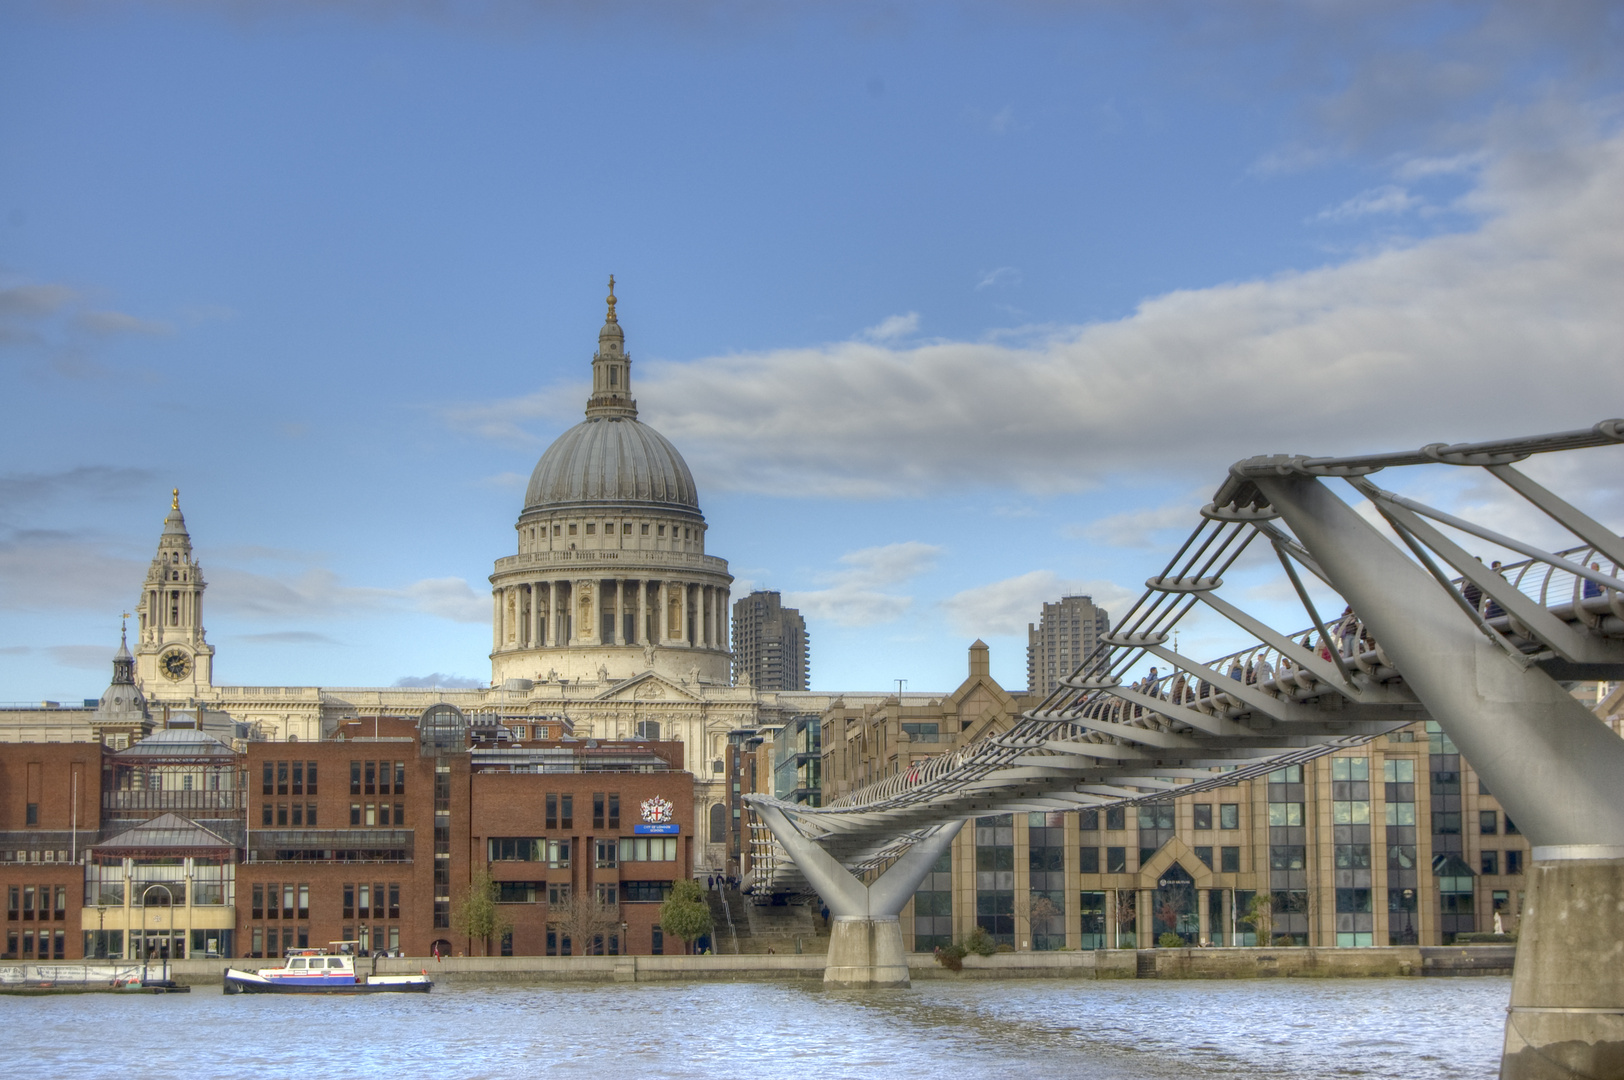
x: 582, y: 917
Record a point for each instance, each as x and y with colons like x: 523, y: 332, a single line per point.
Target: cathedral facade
x: 608, y: 620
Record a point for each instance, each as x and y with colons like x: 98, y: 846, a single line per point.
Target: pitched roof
x: 167, y: 834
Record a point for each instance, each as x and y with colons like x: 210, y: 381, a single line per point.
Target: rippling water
x: 1404, y: 1029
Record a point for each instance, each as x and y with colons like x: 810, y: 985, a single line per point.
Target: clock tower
x: 173, y: 662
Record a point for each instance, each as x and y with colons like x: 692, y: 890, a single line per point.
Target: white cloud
x: 449, y: 598
x: 439, y: 679
x: 893, y: 327
x: 1501, y: 323
x: 1004, y: 275
x: 1387, y: 199
x: 1006, y: 607
x: 858, y: 594
x: 1136, y: 528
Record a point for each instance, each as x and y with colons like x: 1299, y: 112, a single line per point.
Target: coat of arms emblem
x: 658, y: 811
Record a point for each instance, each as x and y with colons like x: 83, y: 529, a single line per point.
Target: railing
x: 632, y: 556
x: 167, y: 799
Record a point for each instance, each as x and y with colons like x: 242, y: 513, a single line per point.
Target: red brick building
x: 180, y: 846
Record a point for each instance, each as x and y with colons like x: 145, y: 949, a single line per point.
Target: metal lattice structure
x: 1099, y: 740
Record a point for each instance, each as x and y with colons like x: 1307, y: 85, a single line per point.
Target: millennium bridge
x: 1428, y: 632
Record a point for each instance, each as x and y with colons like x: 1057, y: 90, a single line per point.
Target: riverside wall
x: 1247, y: 963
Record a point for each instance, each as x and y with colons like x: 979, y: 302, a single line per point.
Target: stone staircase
x: 782, y: 929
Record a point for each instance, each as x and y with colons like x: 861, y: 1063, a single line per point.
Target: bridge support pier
x: 1553, y: 766
x: 865, y: 943
x: 1567, y: 997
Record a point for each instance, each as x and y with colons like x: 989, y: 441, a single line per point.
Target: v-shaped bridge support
x: 865, y: 940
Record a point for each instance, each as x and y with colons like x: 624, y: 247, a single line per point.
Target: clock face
x: 175, y: 665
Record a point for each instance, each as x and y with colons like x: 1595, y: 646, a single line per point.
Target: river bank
x: 1250, y: 963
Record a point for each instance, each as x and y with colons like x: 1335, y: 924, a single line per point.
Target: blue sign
x: 656, y: 830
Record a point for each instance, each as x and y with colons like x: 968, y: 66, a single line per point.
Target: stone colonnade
x: 565, y: 612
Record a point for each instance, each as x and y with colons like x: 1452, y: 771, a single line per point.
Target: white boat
x: 316, y: 971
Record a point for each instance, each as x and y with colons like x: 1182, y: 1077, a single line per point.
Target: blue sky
x: 951, y: 307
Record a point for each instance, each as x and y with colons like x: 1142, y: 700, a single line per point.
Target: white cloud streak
x: 1513, y: 326
x: 862, y: 594
x: 1007, y: 607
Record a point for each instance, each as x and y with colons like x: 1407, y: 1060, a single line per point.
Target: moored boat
x: 316, y: 971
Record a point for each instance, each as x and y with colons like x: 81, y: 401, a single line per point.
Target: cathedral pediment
x: 649, y: 687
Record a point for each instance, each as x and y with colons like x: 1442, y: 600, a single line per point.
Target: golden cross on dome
x: 174, y: 499
x: 611, y: 298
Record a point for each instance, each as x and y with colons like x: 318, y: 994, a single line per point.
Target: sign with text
x: 656, y: 830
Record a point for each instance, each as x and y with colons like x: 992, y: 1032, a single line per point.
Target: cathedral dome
x: 611, y: 460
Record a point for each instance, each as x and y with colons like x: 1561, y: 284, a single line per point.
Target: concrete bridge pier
x: 1554, y: 767
x: 866, y: 950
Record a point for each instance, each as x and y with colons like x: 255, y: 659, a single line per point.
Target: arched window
x: 648, y: 729
x: 718, y: 824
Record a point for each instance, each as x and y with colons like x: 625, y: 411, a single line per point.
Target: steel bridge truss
x: 1102, y: 740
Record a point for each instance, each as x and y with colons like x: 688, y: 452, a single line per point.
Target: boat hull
x: 248, y: 982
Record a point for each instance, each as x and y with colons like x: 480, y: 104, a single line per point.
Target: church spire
x: 611, y: 371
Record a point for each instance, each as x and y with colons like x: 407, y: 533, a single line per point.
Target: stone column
x: 496, y: 619
x: 686, y: 602
x: 1203, y: 907
x: 1144, y: 923
x: 642, y: 612
x: 661, y: 636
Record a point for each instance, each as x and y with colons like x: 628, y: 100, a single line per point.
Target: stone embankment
x: 1104, y: 964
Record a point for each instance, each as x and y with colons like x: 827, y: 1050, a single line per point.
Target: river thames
x: 1405, y: 1029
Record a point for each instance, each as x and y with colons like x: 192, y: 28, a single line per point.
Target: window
x: 558, y: 854
x: 1116, y: 817
x: 394, y: 899
x: 514, y: 849
x: 310, y: 778
x: 599, y: 805
x: 1488, y: 822
x: 604, y: 854
x: 1489, y: 862
x: 304, y: 901
x: 310, y: 815
x: 265, y: 818
x: 298, y: 778
x: 572, y: 528
x: 614, y: 809
x: 267, y: 779
x: 371, y: 768
x: 298, y: 814
x: 644, y: 892
x: 281, y: 778
x: 400, y: 778
x: 1203, y: 815
x: 1088, y: 860
x: 591, y: 528
x: 1088, y: 820
x: 31, y: 814
x: 1281, y: 813
x: 662, y: 530
x: 355, y: 813
x: 1205, y: 855
x: 400, y: 814
x: 1514, y: 862
x: 281, y: 814
x: 648, y: 849
x: 643, y: 530
x: 1229, y: 815
x: 552, y: 810
x: 566, y: 811
x: 258, y: 906
x: 1229, y: 860
x: 355, y: 778
x: 349, y: 902
x: 1116, y: 860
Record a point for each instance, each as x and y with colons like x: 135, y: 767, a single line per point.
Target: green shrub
x: 951, y: 957
x: 1169, y: 940
x: 980, y: 942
